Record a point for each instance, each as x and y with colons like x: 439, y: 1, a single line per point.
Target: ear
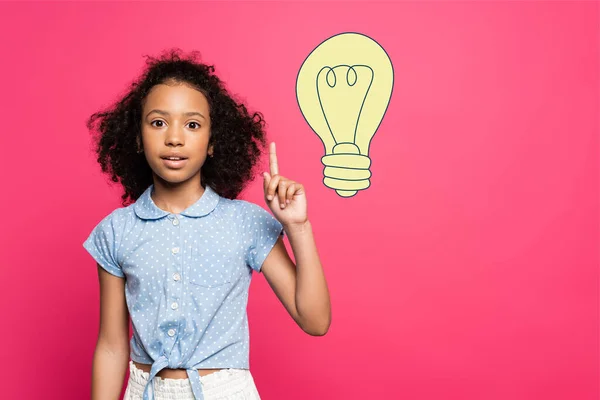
x: 211, y: 150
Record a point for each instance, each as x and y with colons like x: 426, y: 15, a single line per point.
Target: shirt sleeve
x: 102, y: 244
x: 263, y: 230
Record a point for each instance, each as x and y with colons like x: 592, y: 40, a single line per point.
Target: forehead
x: 176, y: 98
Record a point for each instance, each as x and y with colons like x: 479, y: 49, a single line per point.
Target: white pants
x: 226, y: 384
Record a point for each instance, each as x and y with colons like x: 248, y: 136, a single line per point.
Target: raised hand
x: 286, y: 198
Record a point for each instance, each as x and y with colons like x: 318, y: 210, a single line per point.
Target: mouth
x: 174, y: 158
x: 174, y: 162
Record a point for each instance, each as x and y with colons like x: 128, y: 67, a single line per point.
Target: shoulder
x: 237, y: 207
x: 117, y: 219
x: 247, y: 209
x: 254, y: 217
x: 103, y: 243
x: 121, y: 215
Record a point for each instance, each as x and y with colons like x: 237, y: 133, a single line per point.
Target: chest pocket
x: 212, y: 266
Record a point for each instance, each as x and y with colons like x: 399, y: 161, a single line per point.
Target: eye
x: 156, y: 120
x: 195, y: 123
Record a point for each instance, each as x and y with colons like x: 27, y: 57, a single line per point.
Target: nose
x: 174, y: 137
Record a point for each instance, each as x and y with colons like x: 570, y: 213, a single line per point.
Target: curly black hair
x: 238, y: 137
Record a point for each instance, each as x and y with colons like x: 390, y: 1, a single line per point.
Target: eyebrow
x: 187, y: 114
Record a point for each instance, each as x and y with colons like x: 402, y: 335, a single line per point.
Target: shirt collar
x: 145, y: 207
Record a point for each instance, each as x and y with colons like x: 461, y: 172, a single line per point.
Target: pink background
x: 469, y: 269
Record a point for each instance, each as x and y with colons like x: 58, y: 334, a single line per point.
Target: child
x: 180, y: 258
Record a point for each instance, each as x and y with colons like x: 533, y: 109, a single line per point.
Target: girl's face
x: 175, y: 123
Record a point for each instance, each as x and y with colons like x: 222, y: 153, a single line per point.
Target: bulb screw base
x: 346, y: 170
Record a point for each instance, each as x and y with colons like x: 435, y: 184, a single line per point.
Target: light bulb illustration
x: 343, y: 90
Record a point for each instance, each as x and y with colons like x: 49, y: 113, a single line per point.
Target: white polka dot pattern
x: 187, y: 278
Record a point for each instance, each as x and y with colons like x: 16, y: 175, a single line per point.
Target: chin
x: 175, y: 176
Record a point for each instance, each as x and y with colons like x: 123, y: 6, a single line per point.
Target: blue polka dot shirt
x: 186, y: 278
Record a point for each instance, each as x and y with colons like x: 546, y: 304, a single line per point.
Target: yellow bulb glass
x: 343, y: 90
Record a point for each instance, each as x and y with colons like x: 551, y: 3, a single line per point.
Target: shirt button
x: 174, y: 306
x: 175, y: 250
x: 175, y: 222
x: 171, y: 332
x: 176, y: 276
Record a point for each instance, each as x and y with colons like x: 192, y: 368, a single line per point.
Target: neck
x: 176, y: 197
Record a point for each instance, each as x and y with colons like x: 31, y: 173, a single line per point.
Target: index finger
x: 273, y: 160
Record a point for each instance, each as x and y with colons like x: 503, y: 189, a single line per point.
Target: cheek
x: 199, y: 142
x: 146, y: 139
x: 152, y: 142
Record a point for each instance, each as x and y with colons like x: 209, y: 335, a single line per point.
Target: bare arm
x: 111, y: 356
x: 302, y: 289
